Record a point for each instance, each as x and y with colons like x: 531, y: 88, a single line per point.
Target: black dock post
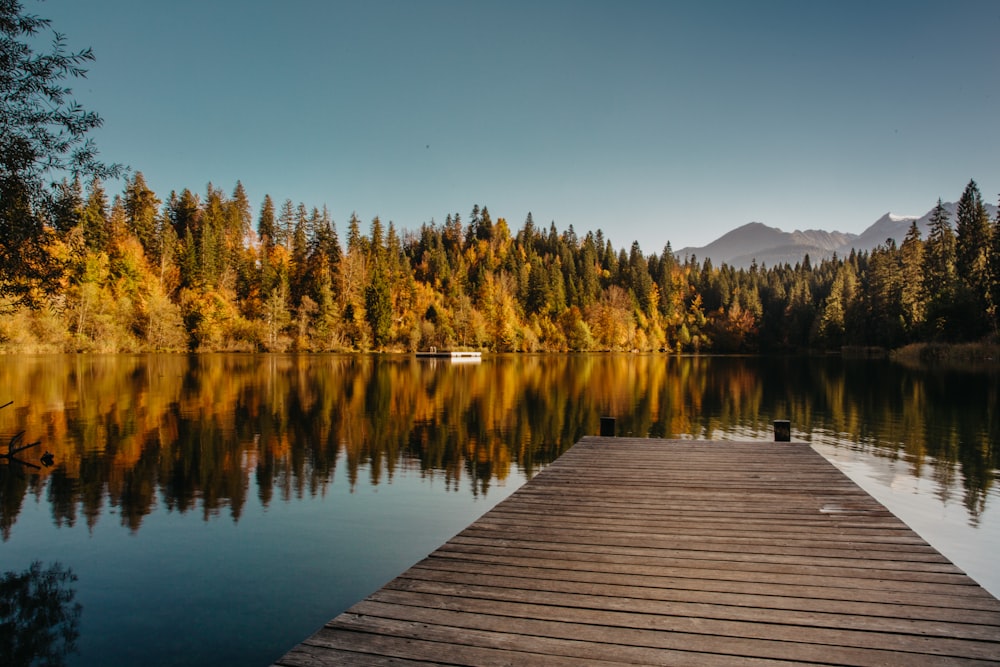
x: 782, y: 430
x: 607, y: 427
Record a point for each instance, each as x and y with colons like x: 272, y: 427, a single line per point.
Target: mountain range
x: 770, y: 246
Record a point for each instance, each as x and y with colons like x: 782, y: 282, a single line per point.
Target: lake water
x: 218, y: 509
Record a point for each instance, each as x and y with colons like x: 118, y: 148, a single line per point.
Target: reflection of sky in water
x: 314, y: 480
x: 183, y: 590
x: 934, y: 511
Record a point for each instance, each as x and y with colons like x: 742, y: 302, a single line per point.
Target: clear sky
x: 653, y: 121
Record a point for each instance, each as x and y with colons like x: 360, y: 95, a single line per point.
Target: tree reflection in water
x: 39, y: 622
x: 205, y: 432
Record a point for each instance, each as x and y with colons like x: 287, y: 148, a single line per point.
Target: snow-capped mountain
x: 769, y: 246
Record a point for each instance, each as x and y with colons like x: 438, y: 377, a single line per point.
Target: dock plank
x: 639, y: 551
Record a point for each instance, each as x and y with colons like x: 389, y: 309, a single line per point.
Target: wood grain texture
x: 662, y: 552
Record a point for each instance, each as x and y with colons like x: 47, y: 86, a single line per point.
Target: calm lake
x: 218, y: 509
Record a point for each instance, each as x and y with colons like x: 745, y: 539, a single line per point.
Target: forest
x: 82, y: 271
x: 204, y: 272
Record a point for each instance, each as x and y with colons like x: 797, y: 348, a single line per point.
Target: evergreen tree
x: 911, y: 261
x: 639, y: 281
x: 378, y: 308
x: 185, y: 214
x: 95, y: 217
x: 538, y: 287
x: 353, y: 271
x: 300, y: 250
x: 355, y: 241
x: 939, y: 273
x: 240, y: 217
x: 238, y: 245
x: 994, y: 274
x: 266, y: 226
x: 117, y: 224
x: 141, y: 212
x: 213, y: 255
x: 66, y: 209
x: 376, y: 245
x: 285, y: 227
x: 972, y: 244
x: 882, y: 286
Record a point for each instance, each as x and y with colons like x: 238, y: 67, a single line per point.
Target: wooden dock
x: 655, y: 552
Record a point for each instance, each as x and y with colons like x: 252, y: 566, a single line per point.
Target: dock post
x: 782, y: 430
x: 607, y: 427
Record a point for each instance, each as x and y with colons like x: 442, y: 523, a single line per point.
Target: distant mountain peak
x: 755, y: 241
x: 768, y: 245
x: 895, y: 217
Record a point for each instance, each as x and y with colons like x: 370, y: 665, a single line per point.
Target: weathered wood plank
x: 700, y: 559
x: 845, y: 617
x: 710, y: 569
x: 653, y: 553
x: 605, y: 642
x: 815, y: 591
x: 405, y: 605
x: 634, y: 551
x: 453, y: 644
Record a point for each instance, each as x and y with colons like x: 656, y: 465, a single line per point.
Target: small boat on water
x: 454, y: 355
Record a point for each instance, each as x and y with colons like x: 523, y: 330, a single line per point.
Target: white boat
x: 454, y: 355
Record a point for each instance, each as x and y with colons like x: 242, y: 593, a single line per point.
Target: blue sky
x: 652, y: 121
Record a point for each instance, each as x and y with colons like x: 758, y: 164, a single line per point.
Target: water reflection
x: 191, y: 432
x: 39, y: 620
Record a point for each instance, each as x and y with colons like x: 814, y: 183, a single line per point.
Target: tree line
x: 194, y: 272
x: 205, y: 272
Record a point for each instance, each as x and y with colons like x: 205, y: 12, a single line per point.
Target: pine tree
x: 240, y: 217
x: 95, y: 217
x: 639, y: 281
x: 354, y: 268
x: 831, y: 323
x: 141, y: 211
x: 538, y: 287
x: 972, y: 244
x: 376, y: 244
x: 994, y: 270
x: 911, y: 259
x: 239, y: 246
x: 266, y: 226
x: 300, y: 249
x: 66, y: 209
x: 939, y: 273
x: 286, y: 225
x: 355, y: 242
x: 213, y: 254
x: 185, y: 214
x: 117, y: 223
x: 378, y: 308
x: 882, y: 286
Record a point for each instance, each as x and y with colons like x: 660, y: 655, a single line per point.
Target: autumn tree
x: 43, y: 131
